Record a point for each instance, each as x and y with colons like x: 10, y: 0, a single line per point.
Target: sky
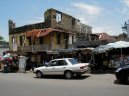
x: 102, y: 15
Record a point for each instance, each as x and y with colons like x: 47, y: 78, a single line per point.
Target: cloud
x: 31, y: 20
x: 126, y: 2
x: 123, y: 10
x: 108, y: 30
x: 35, y: 20
x: 89, y: 9
x: 87, y: 13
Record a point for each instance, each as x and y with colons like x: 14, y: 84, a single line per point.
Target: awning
x: 52, y: 52
x: 69, y: 50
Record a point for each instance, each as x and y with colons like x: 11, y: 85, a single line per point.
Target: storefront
x: 112, y: 55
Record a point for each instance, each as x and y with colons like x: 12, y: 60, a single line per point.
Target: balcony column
x: 32, y: 46
x: 51, y: 40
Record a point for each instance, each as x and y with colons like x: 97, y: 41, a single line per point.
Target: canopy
x: 109, y: 46
x: 7, y: 56
x: 119, y: 44
x: 102, y: 48
x: 1, y: 58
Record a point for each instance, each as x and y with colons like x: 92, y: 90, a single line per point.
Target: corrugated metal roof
x: 43, y: 32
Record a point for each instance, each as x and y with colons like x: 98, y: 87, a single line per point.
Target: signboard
x: 14, y: 47
x: 22, y: 63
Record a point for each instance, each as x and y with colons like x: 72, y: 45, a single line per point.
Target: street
x: 26, y: 84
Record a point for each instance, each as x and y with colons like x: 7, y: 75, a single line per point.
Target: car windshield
x: 73, y: 61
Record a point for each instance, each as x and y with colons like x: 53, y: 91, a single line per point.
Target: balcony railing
x: 34, y: 48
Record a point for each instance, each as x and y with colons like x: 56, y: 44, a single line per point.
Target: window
x: 54, y: 16
x: 22, y: 40
x: 73, y: 21
x: 29, y: 40
x: 58, y: 17
x: 13, y: 40
x: 41, y: 40
x: 33, y: 40
x: 53, y: 63
x: 62, y: 62
x: 72, y: 39
x: 58, y: 38
x: 73, y: 61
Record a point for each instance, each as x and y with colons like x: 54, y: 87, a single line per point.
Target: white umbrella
x: 109, y: 46
x: 1, y: 58
x: 7, y: 56
x: 102, y: 48
x: 119, y: 44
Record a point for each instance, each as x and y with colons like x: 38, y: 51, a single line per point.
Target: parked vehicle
x: 66, y: 66
x: 122, y: 74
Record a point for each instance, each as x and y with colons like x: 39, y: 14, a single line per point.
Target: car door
x: 50, y: 68
x: 60, y: 68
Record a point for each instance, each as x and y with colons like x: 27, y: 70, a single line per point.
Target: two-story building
x: 46, y: 40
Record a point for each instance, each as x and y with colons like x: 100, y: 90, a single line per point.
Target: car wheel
x: 39, y: 74
x: 68, y: 74
x: 127, y: 78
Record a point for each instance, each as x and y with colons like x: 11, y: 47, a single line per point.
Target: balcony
x: 34, y: 48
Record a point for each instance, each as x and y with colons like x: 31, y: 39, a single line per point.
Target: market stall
x: 112, y: 55
x: 10, y: 63
x: 1, y: 58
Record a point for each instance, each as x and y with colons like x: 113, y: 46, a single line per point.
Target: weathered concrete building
x: 59, y: 31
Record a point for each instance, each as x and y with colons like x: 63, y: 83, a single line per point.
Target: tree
x: 123, y: 35
x: 1, y: 38
x: 2, y: 41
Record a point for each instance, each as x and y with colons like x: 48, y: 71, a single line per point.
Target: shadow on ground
x: 62, y: 77
x: 102, y: 71
x: 119, y: 83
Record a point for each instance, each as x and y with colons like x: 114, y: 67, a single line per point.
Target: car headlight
x: 118, y: 69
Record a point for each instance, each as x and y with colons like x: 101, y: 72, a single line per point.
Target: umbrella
x: 7, y: 56
x: 102, y: 48
x: 1, y: 58
x: 119, y: 44
x: 109, y: 46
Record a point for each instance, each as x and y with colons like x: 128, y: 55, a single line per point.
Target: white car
x: 65, y: 66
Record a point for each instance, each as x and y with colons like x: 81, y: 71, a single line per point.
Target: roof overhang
x: 43, y: 32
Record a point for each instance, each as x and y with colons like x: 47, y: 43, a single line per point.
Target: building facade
x: 44, y: 40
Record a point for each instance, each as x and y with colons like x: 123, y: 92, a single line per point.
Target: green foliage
x: 1, y: 38
x: 124, y: 35
x: 2, y: 41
